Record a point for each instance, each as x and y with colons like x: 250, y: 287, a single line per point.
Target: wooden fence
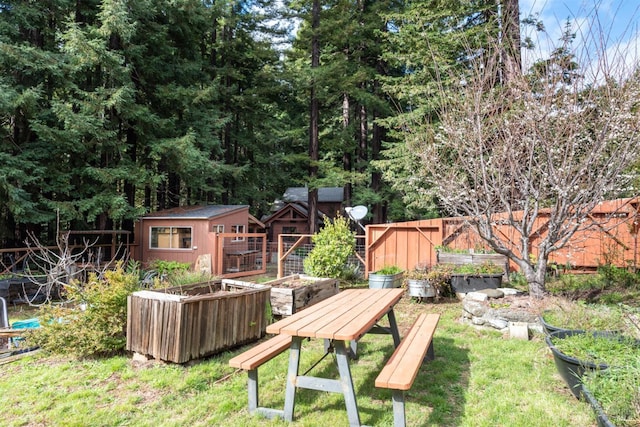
x: 609, y: 236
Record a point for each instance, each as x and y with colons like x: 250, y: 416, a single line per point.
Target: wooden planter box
x: 293, y: 293
x: 189, y: 322
x: 469, y: 258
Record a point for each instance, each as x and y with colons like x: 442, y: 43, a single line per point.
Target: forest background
x: 113, y: 108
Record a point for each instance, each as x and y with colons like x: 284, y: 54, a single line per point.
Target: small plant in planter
x: 417, y: 282
x: 439, y: 277
x: 387, y: 277
x: 478, y: 269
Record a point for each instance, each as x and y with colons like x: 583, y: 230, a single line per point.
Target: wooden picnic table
x: 344, y: 317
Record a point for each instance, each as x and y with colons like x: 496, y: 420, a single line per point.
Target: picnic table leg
x: 346, y: 382
x: 292, y: 378
x: 393, y: 325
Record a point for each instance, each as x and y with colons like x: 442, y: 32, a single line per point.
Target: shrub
x: 169, y: 267
x: 616, y: 276
x: 332, y: 247
x: 439, y: 277
x: 94, y: 323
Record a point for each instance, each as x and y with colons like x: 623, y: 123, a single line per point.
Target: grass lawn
x: 479, y: 378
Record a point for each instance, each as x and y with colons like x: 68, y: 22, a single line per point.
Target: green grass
x: 479, y: 378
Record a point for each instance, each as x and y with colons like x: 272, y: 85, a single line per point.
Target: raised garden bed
x: 465, y: 283
x: 293, y: 293
x: 189, y: 322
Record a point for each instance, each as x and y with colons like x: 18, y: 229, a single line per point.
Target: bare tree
x: 507, y: 152
x: 51, y: 268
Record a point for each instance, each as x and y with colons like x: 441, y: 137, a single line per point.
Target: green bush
x: 169, y: 267
x: 610, y: 275
x: 94, y: 321
x: 333, y: 245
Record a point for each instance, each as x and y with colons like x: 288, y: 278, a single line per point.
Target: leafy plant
x: 447, y: 249
x: 94, y: 323
x: 417, y: 274
x: 333, y: 245
x: 389, y: 270
x: 439, y: 277
x: 472, y: 269
x: 168, y: 268
x: 616, y: 276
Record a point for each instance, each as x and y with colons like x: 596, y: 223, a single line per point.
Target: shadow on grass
x: 435, y: 399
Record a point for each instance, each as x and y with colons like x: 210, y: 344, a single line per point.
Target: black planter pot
x: 570, y: 368
x: 560, y: 332
x: 465, y: 283
x: 601, y: 417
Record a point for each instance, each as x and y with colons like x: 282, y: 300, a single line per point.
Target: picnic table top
x: 348, y: 315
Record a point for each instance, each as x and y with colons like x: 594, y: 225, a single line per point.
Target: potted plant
x: 474, y: 277
x: 386, y: 277
x: 576, y: 352
x: 418, y: 285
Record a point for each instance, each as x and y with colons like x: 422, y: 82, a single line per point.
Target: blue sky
x: 600, y: 25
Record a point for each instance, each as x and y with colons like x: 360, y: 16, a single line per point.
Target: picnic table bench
x: 251, y: 360
x: 401, y: 369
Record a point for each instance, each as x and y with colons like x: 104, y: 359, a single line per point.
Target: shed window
x: 238, y: 229
x: 217, y: 228
x: 170, y: 238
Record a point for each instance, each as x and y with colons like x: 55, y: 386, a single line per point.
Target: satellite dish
x: 357, y: 212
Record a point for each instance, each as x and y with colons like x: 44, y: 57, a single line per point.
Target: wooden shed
x: 214, y: 237
x: 291, y: 215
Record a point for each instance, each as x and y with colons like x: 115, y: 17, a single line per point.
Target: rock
x: 478, y: 321
x: 476, y: 308
x: 477, y: 296
x: 515, y: 315
x: 510, y: 291
x: 491, y: 293
x: 497, y: 323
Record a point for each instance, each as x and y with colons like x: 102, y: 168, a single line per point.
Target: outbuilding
x: 214, y: 238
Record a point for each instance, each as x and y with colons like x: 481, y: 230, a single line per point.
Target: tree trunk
x: 313, y: 125
x: 535, y: 278
x: 346, y: 155
x: 510, y: 22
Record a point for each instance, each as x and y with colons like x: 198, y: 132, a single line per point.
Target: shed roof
x: 301, y: 207
x: 195, y: 212
x: 325, y: 194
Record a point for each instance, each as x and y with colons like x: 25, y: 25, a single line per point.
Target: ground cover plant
x: 580, y: 315
x: 617, y: 391
x: 478, y: 378
x: 598, y: 348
